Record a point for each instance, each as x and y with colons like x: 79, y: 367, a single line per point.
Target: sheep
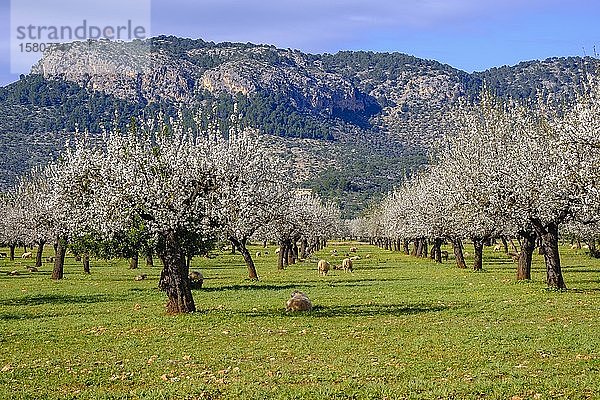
x: 50, y: 260
x: 368, y: 256
x: 298, y: 302
x: 32, y: 269
x: 278, y: 250
x: 196, y: 279
x: 347, y: 264
x: 13, y: 273
x: 324, y: 267
x: 497, y: 248
x: 444, y: 254
x: 3, y: 255
x: 355, y: 258
x: 353, y: 249
x: 334, y: 252
x: 27, y: 255
x: 258, y: 254
x: 574, y: 246
x: 141, y: 277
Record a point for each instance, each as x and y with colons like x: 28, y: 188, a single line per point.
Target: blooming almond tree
x: 253, y: 187
x: 156, y: 179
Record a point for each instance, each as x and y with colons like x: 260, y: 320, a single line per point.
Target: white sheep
x: 323, y: 267
x: 298, y: 302
x: 258, y: 254
x: 347, y: 264
x: 497, y: 248
x: 27, y: 255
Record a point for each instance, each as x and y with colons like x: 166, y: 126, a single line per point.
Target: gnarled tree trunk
x: 149, y: 260
x: 303, y: 248
x: 134, y: 261
x: 39, y: 254
x: 11, y: 250
x: 59, y: 259
x: 457, y: 246
x: 281, y: 256
x: 174, y: 279
x: 549, y: 241
x: 241, y: 246
x: 436, y: 250
x: 528, y: 239
x: 86, y: 263
x: 478, y: 254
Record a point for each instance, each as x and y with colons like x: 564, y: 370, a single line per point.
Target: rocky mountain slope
x: 355, y: 123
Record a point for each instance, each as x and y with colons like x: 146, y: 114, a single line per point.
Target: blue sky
x: 467, y: 34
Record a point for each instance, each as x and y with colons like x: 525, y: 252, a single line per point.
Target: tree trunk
x: 436, y: 251
x: 292, y: 251
x: 406, y: 246
x: 420, y: 248
x: 425, y: 248
x: 39, y: 254
x: 478, y: 254
x: 505, y: 244
x: 134, y: 261
x: 149, y: 260
x: 59, y: 259
x: 281, y: 257
x: 594, y: 253
x: 241, y: 246
x: 525, y: 255
x: 11, y: 248
x: 415, y: 248
x: 303, y: 247
x: 86, y: 263
x: 549, y: 240
x: 174, y: 279
x: 457, y: 246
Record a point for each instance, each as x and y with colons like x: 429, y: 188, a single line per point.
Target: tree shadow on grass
x: 54, y: 299
x: 365, y: 282
x: 357, y: 310
x: 580, y: 268
x: 257, y: 287
x: 8, y: 316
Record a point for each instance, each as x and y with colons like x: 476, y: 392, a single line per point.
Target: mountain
x: 354, y: 123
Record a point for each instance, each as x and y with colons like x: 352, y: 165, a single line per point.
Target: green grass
x: 395, y: 328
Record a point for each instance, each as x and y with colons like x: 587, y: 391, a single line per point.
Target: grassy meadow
x: 395, y: 328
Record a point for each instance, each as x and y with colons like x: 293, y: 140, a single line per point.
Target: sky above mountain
x: 467, y: 34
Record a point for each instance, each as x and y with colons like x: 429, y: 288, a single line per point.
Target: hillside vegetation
x: 377, y: 110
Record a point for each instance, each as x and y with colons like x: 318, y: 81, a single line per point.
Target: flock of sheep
x: 298, y: 301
